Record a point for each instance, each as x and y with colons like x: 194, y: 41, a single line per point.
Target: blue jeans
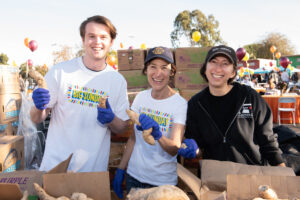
x: 133, y: 183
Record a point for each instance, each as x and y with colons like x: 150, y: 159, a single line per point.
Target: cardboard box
x: 246, y: 186
x: 10, y: 105
x: 190, y: 57
x: 131, y: 59
x: 58, y: 183
x: 135, y: 79
x: 15, y: 183
x: 9, y: 79
x: 11, y: 128
x: 95, y: 185
x: 11, y: 153
x: 189, y: 79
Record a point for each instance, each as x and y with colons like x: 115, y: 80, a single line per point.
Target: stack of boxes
x: 11, y: 146
x: 188, y: 63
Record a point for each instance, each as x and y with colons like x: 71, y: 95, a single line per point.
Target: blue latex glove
x: 105, y: 115
x: 190, y: 150
x: 117, y: 182
x: 41, y: 98
x: 139, y: 128
x: 147, y: 122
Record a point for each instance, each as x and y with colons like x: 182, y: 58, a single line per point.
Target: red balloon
x: 284, y: 62
x: 240, y: 53
x: 271, y: 64
x: 30, y: 62
x: 33, y: 45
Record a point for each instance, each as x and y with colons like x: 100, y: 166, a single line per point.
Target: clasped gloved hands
x: 41, y: 98
x: 105, y: 115
x: 117, y: 182
x: 189, y: 150
x: 146, y: 123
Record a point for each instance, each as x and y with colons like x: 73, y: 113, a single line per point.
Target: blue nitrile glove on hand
x: 146, y: 123
x: 41, y: 98
x: 105, y: 115
x: 190, y: 150
x: 117, y: 182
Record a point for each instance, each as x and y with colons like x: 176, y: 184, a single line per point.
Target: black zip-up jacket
x: 249, y: 137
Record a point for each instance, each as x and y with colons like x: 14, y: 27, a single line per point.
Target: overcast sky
x: 53, y: 23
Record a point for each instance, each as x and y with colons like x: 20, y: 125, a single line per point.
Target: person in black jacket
x: 228, y: 121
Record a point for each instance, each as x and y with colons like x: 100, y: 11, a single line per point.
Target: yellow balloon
x: 196, y: 36
x: 246, y: 57
x: 26, y: 42
x: 273, y: 49
x: 278, y: 55
x: 143, y: 46
x: 14, y: 63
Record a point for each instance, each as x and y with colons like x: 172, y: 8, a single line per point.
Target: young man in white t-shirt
x: 78, y: 125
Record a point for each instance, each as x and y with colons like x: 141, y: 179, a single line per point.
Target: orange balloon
x: 111, y: 60
x: 273, y: 49
x: 26, y: 42
x: 121, y: 45
x: 278, y: 55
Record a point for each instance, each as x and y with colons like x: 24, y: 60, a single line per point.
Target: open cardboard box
x: 13, y: 184
x: 215, y: 179
x: 57, y: 182
x: 246, y: 186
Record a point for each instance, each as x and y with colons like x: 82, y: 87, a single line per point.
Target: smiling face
x: 96, y: 42
x: 218, y: 71
x: 158, y: 74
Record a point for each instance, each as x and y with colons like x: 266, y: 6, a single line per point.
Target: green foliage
x: 261, y: 49
x: 187, y: 22
x: 3, y: 59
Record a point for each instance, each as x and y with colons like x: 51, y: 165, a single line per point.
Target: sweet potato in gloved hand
x: 188, y: 149
x: 105, y: 115
x: 147, y: 123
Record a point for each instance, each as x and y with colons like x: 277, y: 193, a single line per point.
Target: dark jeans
x: 133, y: 183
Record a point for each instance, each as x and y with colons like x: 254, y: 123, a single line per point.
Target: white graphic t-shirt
x: 74, y: 128
x: 150, y: 163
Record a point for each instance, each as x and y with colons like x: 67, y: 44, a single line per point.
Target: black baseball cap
x: 160, y: 52
x: 222, y: 50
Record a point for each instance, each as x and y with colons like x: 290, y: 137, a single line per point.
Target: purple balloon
x: 284, y: 62
x: 33, y: 45
x: 240, y: 53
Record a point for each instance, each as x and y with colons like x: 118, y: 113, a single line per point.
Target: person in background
x: 78, y: 125
x: 271, y: 90
x: 163, y: 110
x: 228, y: 121
x: 285, y: 76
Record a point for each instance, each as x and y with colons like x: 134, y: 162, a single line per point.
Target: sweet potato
x: 102, y: 102
x: 25, y: 195
x: 41, y: 193
x: 266, y: 192
x: 163, y: 192
x: 146, y: 133
x: 38, y: 78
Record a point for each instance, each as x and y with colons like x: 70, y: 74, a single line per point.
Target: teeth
x: 217, y: 76
x: 97, y: 49
x: 157, y: 80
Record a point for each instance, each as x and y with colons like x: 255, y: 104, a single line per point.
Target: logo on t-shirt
x: 246, y: 111
x: 84, y: 96
x: 164, y: 120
